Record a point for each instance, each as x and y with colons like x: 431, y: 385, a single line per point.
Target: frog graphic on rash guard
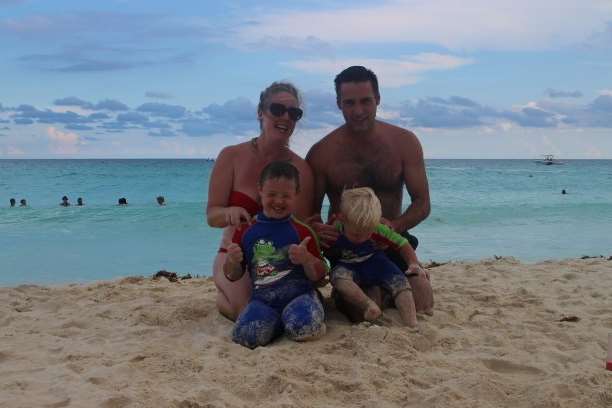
x: 266, y: 245
x: 265, y: 255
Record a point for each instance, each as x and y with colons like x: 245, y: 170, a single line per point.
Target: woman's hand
x: 236, y: 215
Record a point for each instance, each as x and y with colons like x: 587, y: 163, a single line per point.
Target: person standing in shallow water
x: 65, y: 202
x: 365, y: 152
x: 233, y: 196
x: 23, y: 202
x: 12, y: 202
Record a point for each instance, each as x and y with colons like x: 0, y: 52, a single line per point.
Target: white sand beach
x: 496, y: 340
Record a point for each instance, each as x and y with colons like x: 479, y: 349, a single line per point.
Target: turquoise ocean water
x: 480, y: 208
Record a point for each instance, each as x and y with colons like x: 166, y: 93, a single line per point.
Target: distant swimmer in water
x: 23, y: 203
x: 563, y: 191
x: 122, y: 201
x: 65, y: 202
x: 161, y: 200
x: 80, y: 201
x: 12, y: 201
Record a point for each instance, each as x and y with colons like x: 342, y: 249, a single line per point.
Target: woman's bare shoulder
x: 234, y: 151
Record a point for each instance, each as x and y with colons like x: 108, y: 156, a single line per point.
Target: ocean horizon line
x: 214, y: 158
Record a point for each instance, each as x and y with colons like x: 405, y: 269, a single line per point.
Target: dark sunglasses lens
x: 278, y: 110
x: 295, y: 113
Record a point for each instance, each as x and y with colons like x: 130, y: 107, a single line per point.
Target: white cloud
x: 63, y: 142
x: 390, y: 72
x: 475, y: 24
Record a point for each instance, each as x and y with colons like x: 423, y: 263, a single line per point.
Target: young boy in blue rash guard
x: 358, y: 261
x: 283, y: 258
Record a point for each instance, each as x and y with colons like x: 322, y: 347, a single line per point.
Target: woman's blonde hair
x: 361, y: 208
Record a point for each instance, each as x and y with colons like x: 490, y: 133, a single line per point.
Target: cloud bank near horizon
x: 238, y: 115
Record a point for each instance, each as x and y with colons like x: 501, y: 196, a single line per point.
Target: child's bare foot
x: 413, y: 329
x: 372, y: 311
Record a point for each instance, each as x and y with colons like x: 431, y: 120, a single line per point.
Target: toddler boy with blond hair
x: 359, y: 262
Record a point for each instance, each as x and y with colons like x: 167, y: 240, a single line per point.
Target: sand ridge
x: 496, y: 340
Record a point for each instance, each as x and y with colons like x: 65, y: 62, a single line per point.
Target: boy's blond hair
x: 361, y: 208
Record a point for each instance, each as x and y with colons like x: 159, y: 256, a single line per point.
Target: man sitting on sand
x: 365, y: 152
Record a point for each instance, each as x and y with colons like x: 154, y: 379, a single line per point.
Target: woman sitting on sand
x: 232, y: 191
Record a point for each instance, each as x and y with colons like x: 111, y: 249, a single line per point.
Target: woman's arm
x: 218, y: 214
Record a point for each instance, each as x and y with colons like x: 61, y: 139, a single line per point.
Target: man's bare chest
x: 379, y: 169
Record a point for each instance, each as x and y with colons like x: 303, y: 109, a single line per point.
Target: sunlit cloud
x: 403, y: 71
x: 63, y: 142
x: 479, y: 24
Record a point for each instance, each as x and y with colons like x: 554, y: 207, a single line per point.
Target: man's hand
x: 298, y: 254
x: 236, y: 216
x: 234, y: 253
x: 393, y: 224
x: 328, y: 234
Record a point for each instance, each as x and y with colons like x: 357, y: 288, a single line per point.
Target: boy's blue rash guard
x: 344, y: 250
x: 265, y: 245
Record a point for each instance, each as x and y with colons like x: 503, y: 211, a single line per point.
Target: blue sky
x: 473, y: 79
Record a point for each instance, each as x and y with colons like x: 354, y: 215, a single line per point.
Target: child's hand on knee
x: 234, y: 253
x: 415, y: 269
x: 298, y: 254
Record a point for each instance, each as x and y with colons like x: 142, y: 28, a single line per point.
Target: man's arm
x: 415, y: 178
x: 303, y: 207
x: 317, y: 160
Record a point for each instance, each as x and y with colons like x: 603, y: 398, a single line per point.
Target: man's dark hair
x: 356, y: 73
x: 280, y: 169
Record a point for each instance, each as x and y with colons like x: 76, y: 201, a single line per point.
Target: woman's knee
x: 232, y: 297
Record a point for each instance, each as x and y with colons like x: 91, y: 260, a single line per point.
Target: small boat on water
x: 548, y: 160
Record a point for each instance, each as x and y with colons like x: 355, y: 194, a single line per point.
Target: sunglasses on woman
x: 278, y: 110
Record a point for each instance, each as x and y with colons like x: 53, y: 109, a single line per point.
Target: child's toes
x: 372, y: 311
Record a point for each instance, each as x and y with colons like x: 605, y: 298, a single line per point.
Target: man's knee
x: 414, y: 242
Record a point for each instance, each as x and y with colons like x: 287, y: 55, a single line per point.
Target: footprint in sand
x: 507, y: 367
x: 60, y: 404
x: 116, y: 402
x: 4, y: 356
